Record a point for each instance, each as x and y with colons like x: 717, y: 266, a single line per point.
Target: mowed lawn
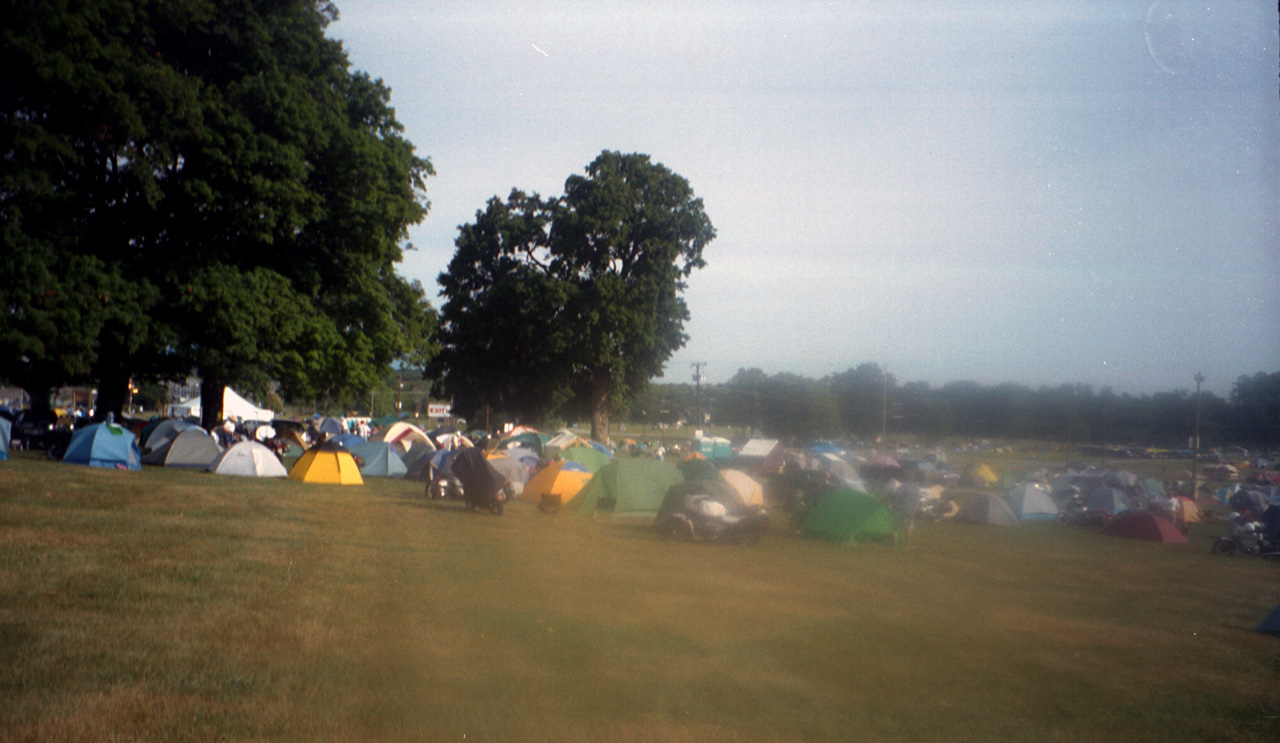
x: 178, y: 605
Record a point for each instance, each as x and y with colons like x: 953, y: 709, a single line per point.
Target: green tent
x: 627, y: 485
x: 848, y: 516
x: 591, y: 458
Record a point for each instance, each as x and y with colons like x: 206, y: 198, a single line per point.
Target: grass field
x: 176, y: 605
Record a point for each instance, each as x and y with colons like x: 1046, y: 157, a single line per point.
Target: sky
x: 1045, y: 193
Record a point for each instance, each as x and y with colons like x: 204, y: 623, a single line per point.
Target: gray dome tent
x: 192, y: 448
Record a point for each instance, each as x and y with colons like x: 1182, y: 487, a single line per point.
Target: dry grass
x: 169, y: 605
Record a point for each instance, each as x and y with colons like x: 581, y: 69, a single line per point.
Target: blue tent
x: 347, y: 440
x: 104, y: 445
x: 5, y: 431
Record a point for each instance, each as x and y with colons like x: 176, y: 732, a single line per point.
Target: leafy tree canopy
x: 574, y: 300
x: 154, y: 147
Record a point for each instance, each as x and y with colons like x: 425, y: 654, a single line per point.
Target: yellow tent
x: 327, y: 463
x: 750, y: 490
x: 1190, y: 511
x: 555, y: 480
x: 982, y: 474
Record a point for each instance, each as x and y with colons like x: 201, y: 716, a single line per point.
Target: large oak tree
x: 572, y: 299
x: 165, y: 163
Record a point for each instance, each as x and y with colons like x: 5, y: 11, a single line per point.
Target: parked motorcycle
x: 1075, y: 512
x: 1246, y: 537
x: 692, y: 512
x: 444, y: 488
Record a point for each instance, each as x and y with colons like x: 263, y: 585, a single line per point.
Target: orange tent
x: 555, y: 480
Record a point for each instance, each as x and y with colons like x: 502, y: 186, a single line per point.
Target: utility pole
x: 698, y: 378
x: 1195, y: 442
x: 884, y: 410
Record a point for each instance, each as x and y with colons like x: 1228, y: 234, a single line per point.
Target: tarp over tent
x: 516, y: 472
x: 1143, y: 525
x: 248, y: 459
x: 380, y: 458
x: 104, y: 445
x: 326, y: 463
x: 848, y: 516
x: 627, y: 485
x: 193, y: 448
x: 480, y: 481
x: 233, y: 406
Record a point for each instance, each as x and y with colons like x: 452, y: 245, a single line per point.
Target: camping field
x: 178, y: 605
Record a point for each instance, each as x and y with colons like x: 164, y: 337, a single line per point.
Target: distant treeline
x: 864, y: 403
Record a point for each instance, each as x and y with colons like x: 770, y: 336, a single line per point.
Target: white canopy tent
x: 233, y: 406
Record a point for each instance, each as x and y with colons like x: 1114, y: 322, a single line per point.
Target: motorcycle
x: 1075, y: 512
x: 1246, y: 537
x: 444, y: 488
x: 702, y: 516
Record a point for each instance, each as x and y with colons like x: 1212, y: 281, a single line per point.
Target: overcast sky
x: 1038, y: 192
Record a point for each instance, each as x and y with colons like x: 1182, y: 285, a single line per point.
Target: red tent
x: 1143, y: 525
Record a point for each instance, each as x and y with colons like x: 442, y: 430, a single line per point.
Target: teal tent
x: 848, y: 516
x: 6, y: 429
x: 627, y: 485
x: 1031, y: 501
x: 380, y: 459
x: 104, y: 445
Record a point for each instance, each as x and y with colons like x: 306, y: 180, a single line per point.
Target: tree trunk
x: 211, y: 391
x: 601, y: 392
x: 113, y: 390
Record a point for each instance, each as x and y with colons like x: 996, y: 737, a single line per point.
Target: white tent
x: 233, y: 406
x: 248, y: 459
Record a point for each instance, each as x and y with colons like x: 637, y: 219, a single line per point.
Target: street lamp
x: 1195, y: 442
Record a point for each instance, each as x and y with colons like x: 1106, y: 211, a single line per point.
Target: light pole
x: 1195, y: 442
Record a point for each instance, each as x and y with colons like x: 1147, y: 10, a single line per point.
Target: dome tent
x: 193, y: 448
x: 1143, y: 525
x: 248, y: 459
x: 1031, y: 501
x: 627, y: 485
x: 327, y: 463
x: 104, y: 445
x: 848, y: 516
x: 381, y: 459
